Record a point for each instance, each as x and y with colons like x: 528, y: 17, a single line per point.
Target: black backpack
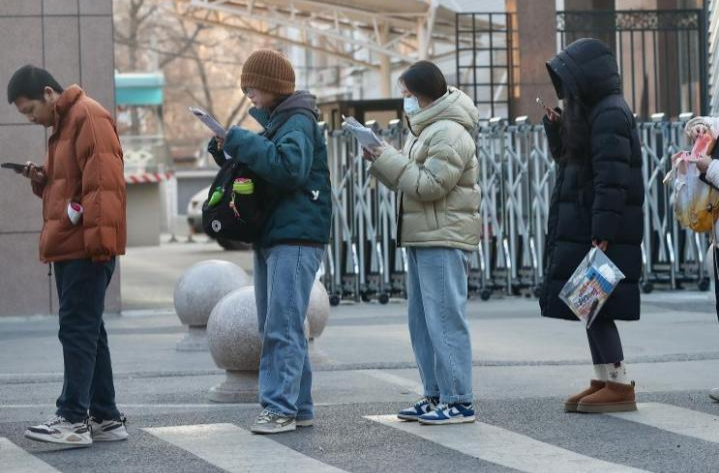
x: 231, y: 215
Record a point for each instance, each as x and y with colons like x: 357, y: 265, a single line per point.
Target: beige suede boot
x: 614, y: 397
x: 570, y: 405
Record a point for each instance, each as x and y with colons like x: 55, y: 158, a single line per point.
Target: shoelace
x: 55, y: 420
x: 266, y: 416
x: 423, y: 401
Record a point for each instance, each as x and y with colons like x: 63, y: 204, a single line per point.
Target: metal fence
x: 662, y: 54
x: 484, y: 60
x: 517, y: 175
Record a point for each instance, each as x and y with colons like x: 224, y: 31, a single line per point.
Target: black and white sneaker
x: 272, y: 423
x: 108, y: 430
x: 58, y: 430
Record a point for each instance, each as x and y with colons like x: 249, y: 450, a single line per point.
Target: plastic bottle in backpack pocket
x: 243, y: 186
x: 216, y: 196
x: 244, y: 201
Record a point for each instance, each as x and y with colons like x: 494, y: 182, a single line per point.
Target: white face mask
x: 411, y: 106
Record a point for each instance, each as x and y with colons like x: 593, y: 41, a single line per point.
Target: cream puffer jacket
x: 436, y: 176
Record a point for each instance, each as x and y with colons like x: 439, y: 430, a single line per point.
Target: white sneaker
x: 457, y: 413
x: 714, y: 394
x: 59, y: 430
x: 108, y: 430
x: 271, y: 423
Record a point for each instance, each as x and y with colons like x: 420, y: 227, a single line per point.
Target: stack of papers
x: 366, y: 137
x: 210, y: 122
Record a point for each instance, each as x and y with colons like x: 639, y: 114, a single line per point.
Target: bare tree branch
x: 195, y: 98
x: 189, y: 43
x: 236, y: 111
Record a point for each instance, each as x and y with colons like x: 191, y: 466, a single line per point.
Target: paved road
x: 672, y: 432
x: 523, y: 367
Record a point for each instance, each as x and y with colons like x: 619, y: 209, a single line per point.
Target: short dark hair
x: 424, y: 78
x: 30, y: 82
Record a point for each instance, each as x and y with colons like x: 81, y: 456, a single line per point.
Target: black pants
x: 604, y: 342
x: 87, y: 385
x: 716, y: 278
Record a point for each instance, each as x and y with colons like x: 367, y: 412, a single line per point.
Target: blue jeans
x: 284, y: 276
x: 437, y: 298
x: 87, y: 384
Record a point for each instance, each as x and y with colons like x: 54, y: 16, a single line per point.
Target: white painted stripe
x: 236, y: 450
x: 131, y: 406
x: 407, y: 384
x: 16, y: 460
x: 504, y: 447
x: 163, y: 406
x: 678, y: 420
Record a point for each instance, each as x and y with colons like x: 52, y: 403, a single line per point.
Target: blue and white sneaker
x: 422, y: 407
x: 449, y: 414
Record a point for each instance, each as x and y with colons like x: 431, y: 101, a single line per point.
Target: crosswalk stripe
x: 504, y: 447
x: 16, y: 460
x: 237, y: 450
x: 406, y: 384
x: 678, y: 420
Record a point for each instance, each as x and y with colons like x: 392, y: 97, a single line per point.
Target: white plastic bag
x: 591, y: 285
x: 696, y: 204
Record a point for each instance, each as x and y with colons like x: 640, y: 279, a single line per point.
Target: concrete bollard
x: 197, y: 292
x: 235, y: 346
x: 235, y: 342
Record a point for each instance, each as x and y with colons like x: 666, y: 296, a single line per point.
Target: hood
x: 455, y: 105
x: 300, y: 100
x: 66, y: 100
x: 587, y: 70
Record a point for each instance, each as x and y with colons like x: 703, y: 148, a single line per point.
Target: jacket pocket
x: 432, y: 217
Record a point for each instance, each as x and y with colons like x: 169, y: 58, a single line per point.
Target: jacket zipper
x: 400, y: 195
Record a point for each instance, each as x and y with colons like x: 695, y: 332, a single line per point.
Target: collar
x: 67, y: 99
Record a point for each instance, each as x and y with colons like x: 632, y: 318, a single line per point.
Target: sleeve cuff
x: 234, y: 142
x: 390, y: 164
x: 713, y: 172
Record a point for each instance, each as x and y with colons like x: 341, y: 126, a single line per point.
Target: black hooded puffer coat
x: 598, y: 195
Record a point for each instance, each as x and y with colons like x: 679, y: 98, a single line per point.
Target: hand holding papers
x: 209, y: 121
x: 366, y: 137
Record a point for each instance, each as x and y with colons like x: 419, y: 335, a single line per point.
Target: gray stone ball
x: 232, y: 332
x: 200, y: 288
x: 319, y: 310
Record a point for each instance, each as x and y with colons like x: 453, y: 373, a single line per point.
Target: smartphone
x: 14, y: 166
x: 547, y: 110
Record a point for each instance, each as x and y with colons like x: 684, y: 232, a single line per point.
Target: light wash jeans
x: 437, y: 297
x: 284, y: 276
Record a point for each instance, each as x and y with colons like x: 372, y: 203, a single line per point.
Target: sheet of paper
x: 209, y: 121
x: 366, y: 137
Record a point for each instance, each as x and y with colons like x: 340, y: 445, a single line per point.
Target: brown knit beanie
x: 270, y: 71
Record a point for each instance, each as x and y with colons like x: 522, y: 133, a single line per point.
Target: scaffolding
x: 373, y: 34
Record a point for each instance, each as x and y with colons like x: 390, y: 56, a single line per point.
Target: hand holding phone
x: 551, y: 113
x: 18, y: 168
